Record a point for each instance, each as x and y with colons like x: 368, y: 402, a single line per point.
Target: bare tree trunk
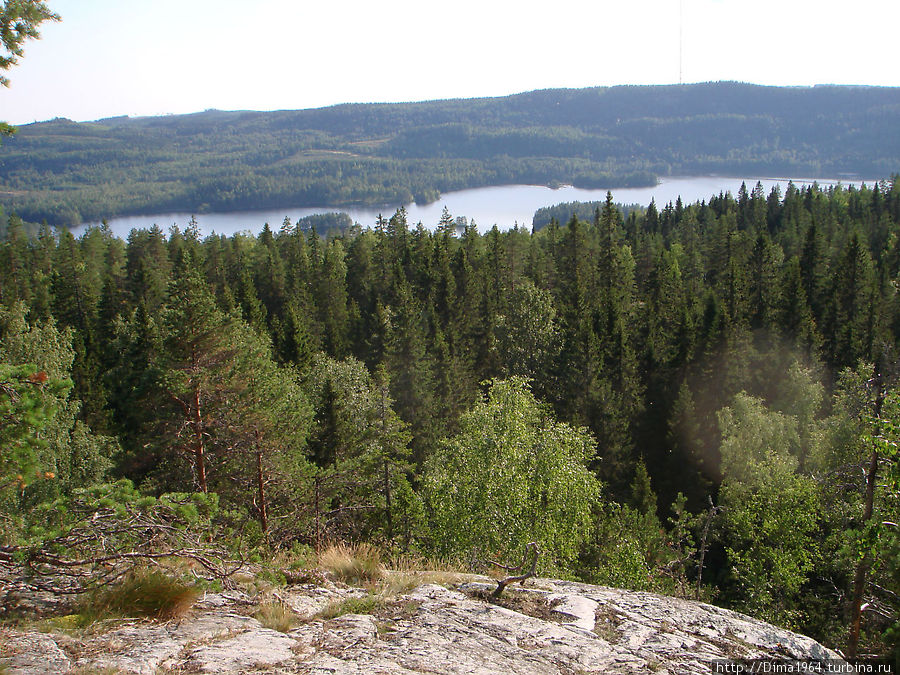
x: 713, y: 512
x: 531, y: 547
x: 387, y: 502
x: 862, y: 568
x: 318, y: 524
x: 261, y: 487
x: 199, y: 452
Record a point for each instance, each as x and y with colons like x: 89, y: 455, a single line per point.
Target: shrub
x: 510, y: 476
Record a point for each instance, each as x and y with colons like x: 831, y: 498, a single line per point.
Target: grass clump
x: 276, y: 615
x: 367, y: 604
x: 398, y: 583
x: 355, y: 565
x: 406, y: 572
x: 143, y: 593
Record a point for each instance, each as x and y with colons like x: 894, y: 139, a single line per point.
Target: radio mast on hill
x: 680, y: 38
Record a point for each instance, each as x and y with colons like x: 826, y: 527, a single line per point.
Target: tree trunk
x: 318, y: 524
x: 261, y: 487
x: 713, y: 511
x: 199, y: 453
x: 387, y: 502
x: 862, y: 568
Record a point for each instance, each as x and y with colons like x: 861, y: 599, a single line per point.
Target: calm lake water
x: 504, y: 206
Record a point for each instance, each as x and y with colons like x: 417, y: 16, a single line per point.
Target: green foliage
x: 582, y: 210
x: 39, y: 429
x: 332, y: 386
x: 359, y: 445
x: 510, y: 476
x: 527, y: 334
x: 770, y: 511
x: 96, y: 534
x: 67, y: 173
x: 19, y: 21
x: 626, y: 549
x: 874, y: 543
x: 26, y: 406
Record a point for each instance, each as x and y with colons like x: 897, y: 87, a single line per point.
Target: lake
x: 504, y: 206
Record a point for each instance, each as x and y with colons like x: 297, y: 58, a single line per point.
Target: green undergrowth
x: 355, y: 605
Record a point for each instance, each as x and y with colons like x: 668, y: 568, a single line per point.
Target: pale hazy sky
x: 129, y: 57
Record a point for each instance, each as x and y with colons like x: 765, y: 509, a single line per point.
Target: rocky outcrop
x: 547, y: 627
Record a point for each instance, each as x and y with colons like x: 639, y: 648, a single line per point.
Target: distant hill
x: 388, y: 154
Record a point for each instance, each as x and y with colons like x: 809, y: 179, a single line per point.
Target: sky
x: 134, y: 57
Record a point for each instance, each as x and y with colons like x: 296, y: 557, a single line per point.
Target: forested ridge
x: 392, y: 154
x: 698, y: 399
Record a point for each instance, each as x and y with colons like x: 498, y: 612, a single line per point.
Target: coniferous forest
x: 696, y: 399
x: 374, y: 154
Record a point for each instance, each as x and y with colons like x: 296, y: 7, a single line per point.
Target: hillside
x: 374, y: 154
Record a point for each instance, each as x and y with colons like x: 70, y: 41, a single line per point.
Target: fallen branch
x: 93, y: 538
x: 503, y: 583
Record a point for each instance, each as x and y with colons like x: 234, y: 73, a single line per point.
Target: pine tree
x: 331, y: 300
x: 195, y: 360
x: 763, y: 287
x: 263, y: 431
x: 411, y: 369
x: 849, y: 332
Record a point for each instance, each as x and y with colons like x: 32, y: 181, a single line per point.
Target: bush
x: 627, y: 549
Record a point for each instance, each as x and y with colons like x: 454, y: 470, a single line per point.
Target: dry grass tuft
x: 398, y: 583
x: 406, y: 572
x: 146, y: 593
x: 276, y: 615
x: 411, y: 563
x: 359, y: 564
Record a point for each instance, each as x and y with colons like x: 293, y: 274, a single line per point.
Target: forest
x: 695, y: 399
x: 392, y: 154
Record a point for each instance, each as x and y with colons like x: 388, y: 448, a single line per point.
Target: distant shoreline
x: 504, y: 206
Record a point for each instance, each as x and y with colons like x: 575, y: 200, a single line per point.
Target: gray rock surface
x: 548, y: 627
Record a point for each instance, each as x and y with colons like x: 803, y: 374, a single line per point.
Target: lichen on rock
x: 563, y: 627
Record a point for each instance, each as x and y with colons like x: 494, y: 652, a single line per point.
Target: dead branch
x: 105, y: 543
x: 710, y: 516
x: 530, y: 547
